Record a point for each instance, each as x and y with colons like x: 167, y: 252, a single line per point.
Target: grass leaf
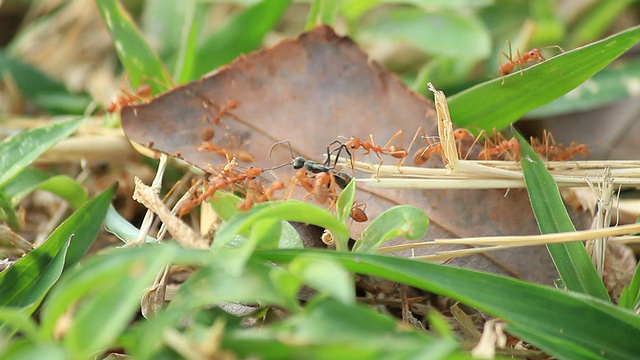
x: 573, y: 325
x: 242, y: 34
x: 142, y: 65
x: 404, y: 220
x: 571, y: 259
x: 492, y: 105
x: 22, y: 149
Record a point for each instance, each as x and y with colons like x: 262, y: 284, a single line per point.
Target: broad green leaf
x: 25, y: 350
x: 224, y: 205
x: 25, y: 284
x: 326, y: 276
x: 291, y: 210
x: 565, y: 324
x: 492, y: 105
x: 255, y: 283
x: 404, y: 220
x: 46, y: 93
x: 30, y: 278
x: 444, y: 33
x: 17, y: 320
x: 617, y: 82
x: 142, y: 65
x: 31, y: 179
x: 289, y: 239
x: 328, y: 329
x: 20, y: 150
x: 108, y: 289
x: 242, y: 34
x: 571, y: 259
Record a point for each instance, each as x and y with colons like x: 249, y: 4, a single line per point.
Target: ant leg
x: 415, y: 136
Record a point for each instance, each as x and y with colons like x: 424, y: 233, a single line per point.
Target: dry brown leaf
x: 310, y: 90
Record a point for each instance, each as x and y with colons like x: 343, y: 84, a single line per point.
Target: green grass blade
x: 404, y: 220
x: 240, y: 35
x: 187, y: 52
x: 322, y: 12
x: 22, y: 149
x: 630, y: 297
x: 345, y: 202
x: 596, y: 20
x: 25, y: 283
x: 571, y: 259
x: 46, y: 93
x: 291, y: 210
x: 7, y: 214
x: 30, y: 278
x: 491, y: 105
x: 142, y: 65
x: 31, y: 179
x: 609, y: 85
x: 565, y: 324
x: 108, y: 289
x: 120, y: 227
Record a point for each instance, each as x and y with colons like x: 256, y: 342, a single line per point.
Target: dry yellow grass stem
x: 474, y: 174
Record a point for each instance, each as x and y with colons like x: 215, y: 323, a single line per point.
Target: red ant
x: 521, y: 60
x: 357, y: 212
x: 127, y: 98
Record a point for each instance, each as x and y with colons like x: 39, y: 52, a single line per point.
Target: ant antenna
x: 282, y: 142
x: 277, y: 166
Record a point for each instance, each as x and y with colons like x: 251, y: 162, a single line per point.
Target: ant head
x: 298, y: 162
x: 535, y: 54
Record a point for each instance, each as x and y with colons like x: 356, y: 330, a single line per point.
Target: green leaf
x: 187, y: 52
x: 328, y: 329
x: 345, y: 202
x: 326, y: 276
x: 224, y: 205
x: 630, y: 297
x: 404, y: 220
x: 120, y: 227
x: 18, y: 320
x: 291, y: 210
x: 492, y: 105
x: 24, y: 350
x: 571, y: 259
x: 22, y: 149
x: 46, y: 93
x: 255, y: 283
x: 620, y: 81
x: 242, y: 34
x: 596, y: 20
x: 7, y: 214
x: 142, y: 65
x: 26, y: 282
x: 565, y: 324
x: 31, y: 179
x: 108, y: 287
x: 322, y: 12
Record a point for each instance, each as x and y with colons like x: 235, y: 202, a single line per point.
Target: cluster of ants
x: 322, y: 180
